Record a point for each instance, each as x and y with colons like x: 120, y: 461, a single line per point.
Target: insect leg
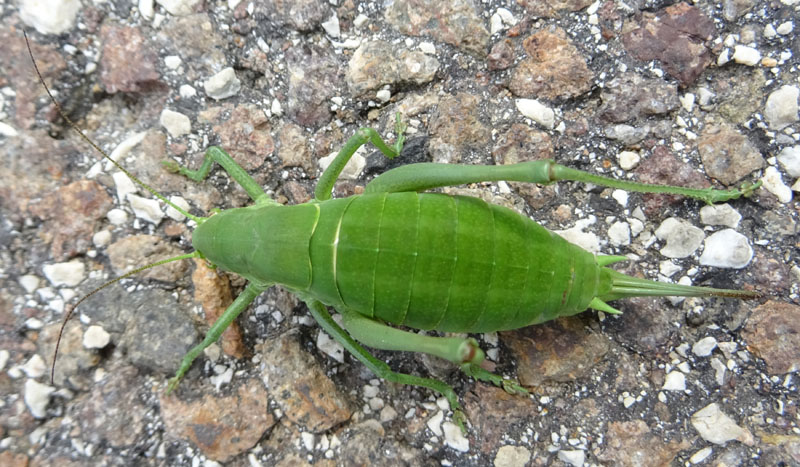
x: 380, y: 368
x: 218, y: 155
x: 324, y: 188
x: 464, y: 352
x: 240, y: 304
x: 420, y: 177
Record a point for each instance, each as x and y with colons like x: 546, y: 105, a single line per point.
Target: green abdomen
x: 433, y: 261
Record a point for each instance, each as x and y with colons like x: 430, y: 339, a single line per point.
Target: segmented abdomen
x: 451, y: 263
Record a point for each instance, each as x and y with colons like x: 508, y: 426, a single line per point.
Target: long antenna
x: 71, y: 309
x: 75, y: 127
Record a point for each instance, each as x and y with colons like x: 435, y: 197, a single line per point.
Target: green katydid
x: 398, y: 255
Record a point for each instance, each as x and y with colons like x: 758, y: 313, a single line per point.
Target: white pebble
x: 427, y: 48
x: 101, y: 238
x: 704, y: 346
x: 621, y: 196
x: 668, y: 268
x: 308, y: 440
x: 785, y: 28
x: 727, y: 249
x: 682, y: 238
x: 7, y: 130
x: 774, y: 184
x: 495, y: 24
x: 435, y: 423
x: 179, y: 7
x: 716, y: 427
x: 628, y: 401
x: 147, y: 9
x: 687, y: 101
x: 675, y: 381
x: 176, y: 123
x: 388, y: 414
x: 331, y: 26
x: 701, y: 455
x: 181, y: 203
x: 330, y: 347
x: 512, y: 456
x: 172, y: 61
x: 146, y: 209
x: 746, y: 55
x: 537, y: 112
x: 789, y: 159
x: 223, y: 84
x: 186, y: 91
x: 720, y: 214
x: 370, y: 391
x: 782, y: 107
x: 29, y: 282
x: 34, y: 367
x: 724, y: 57
x: 719, y: 370
x: 454, y: 438
x: 34, y: 324
x: 37, y: 396
x: 96, y: 337
x: 224, y: 376
x: 276, y: 108
x: 704, y: 96
x: 126, y: 146
x: 50, y: 16
x: 619, y: 234
x: 769, y: 31
x: 628, y: 159
x: 4, y: 356
x: 574, y: 458
x: 117, y: 216
x: 637, y: 226
x: 576, y: 234
x: 376, y: 404
x: 383, y: 95
x: 124, y: 186
x: 69, y: 274
x: 360, y: 20
x: 353, y: 168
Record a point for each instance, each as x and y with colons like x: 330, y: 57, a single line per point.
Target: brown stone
x: 663, y: 167
x: 139, y: 250
x: 555, y: 68
x: 522, y: 143
x: 457, y: 121
x: 632, y: 444
x: 128, y: 62
x: 213, y: 290
x: 728, y: 155
x: 560, y: 350
x: 113, y: 412
x: 491, y: 411
x: 773, y: 333
x: 222, y: 427
x: 71, y: 214
x: 293, y: 148
x: 553, y: 8
x: 455, y: 22
x: 246, y: 136
x: 299, y: 385
x: 675, y: 36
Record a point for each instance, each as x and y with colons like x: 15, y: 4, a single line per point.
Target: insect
x: 398, y: 255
